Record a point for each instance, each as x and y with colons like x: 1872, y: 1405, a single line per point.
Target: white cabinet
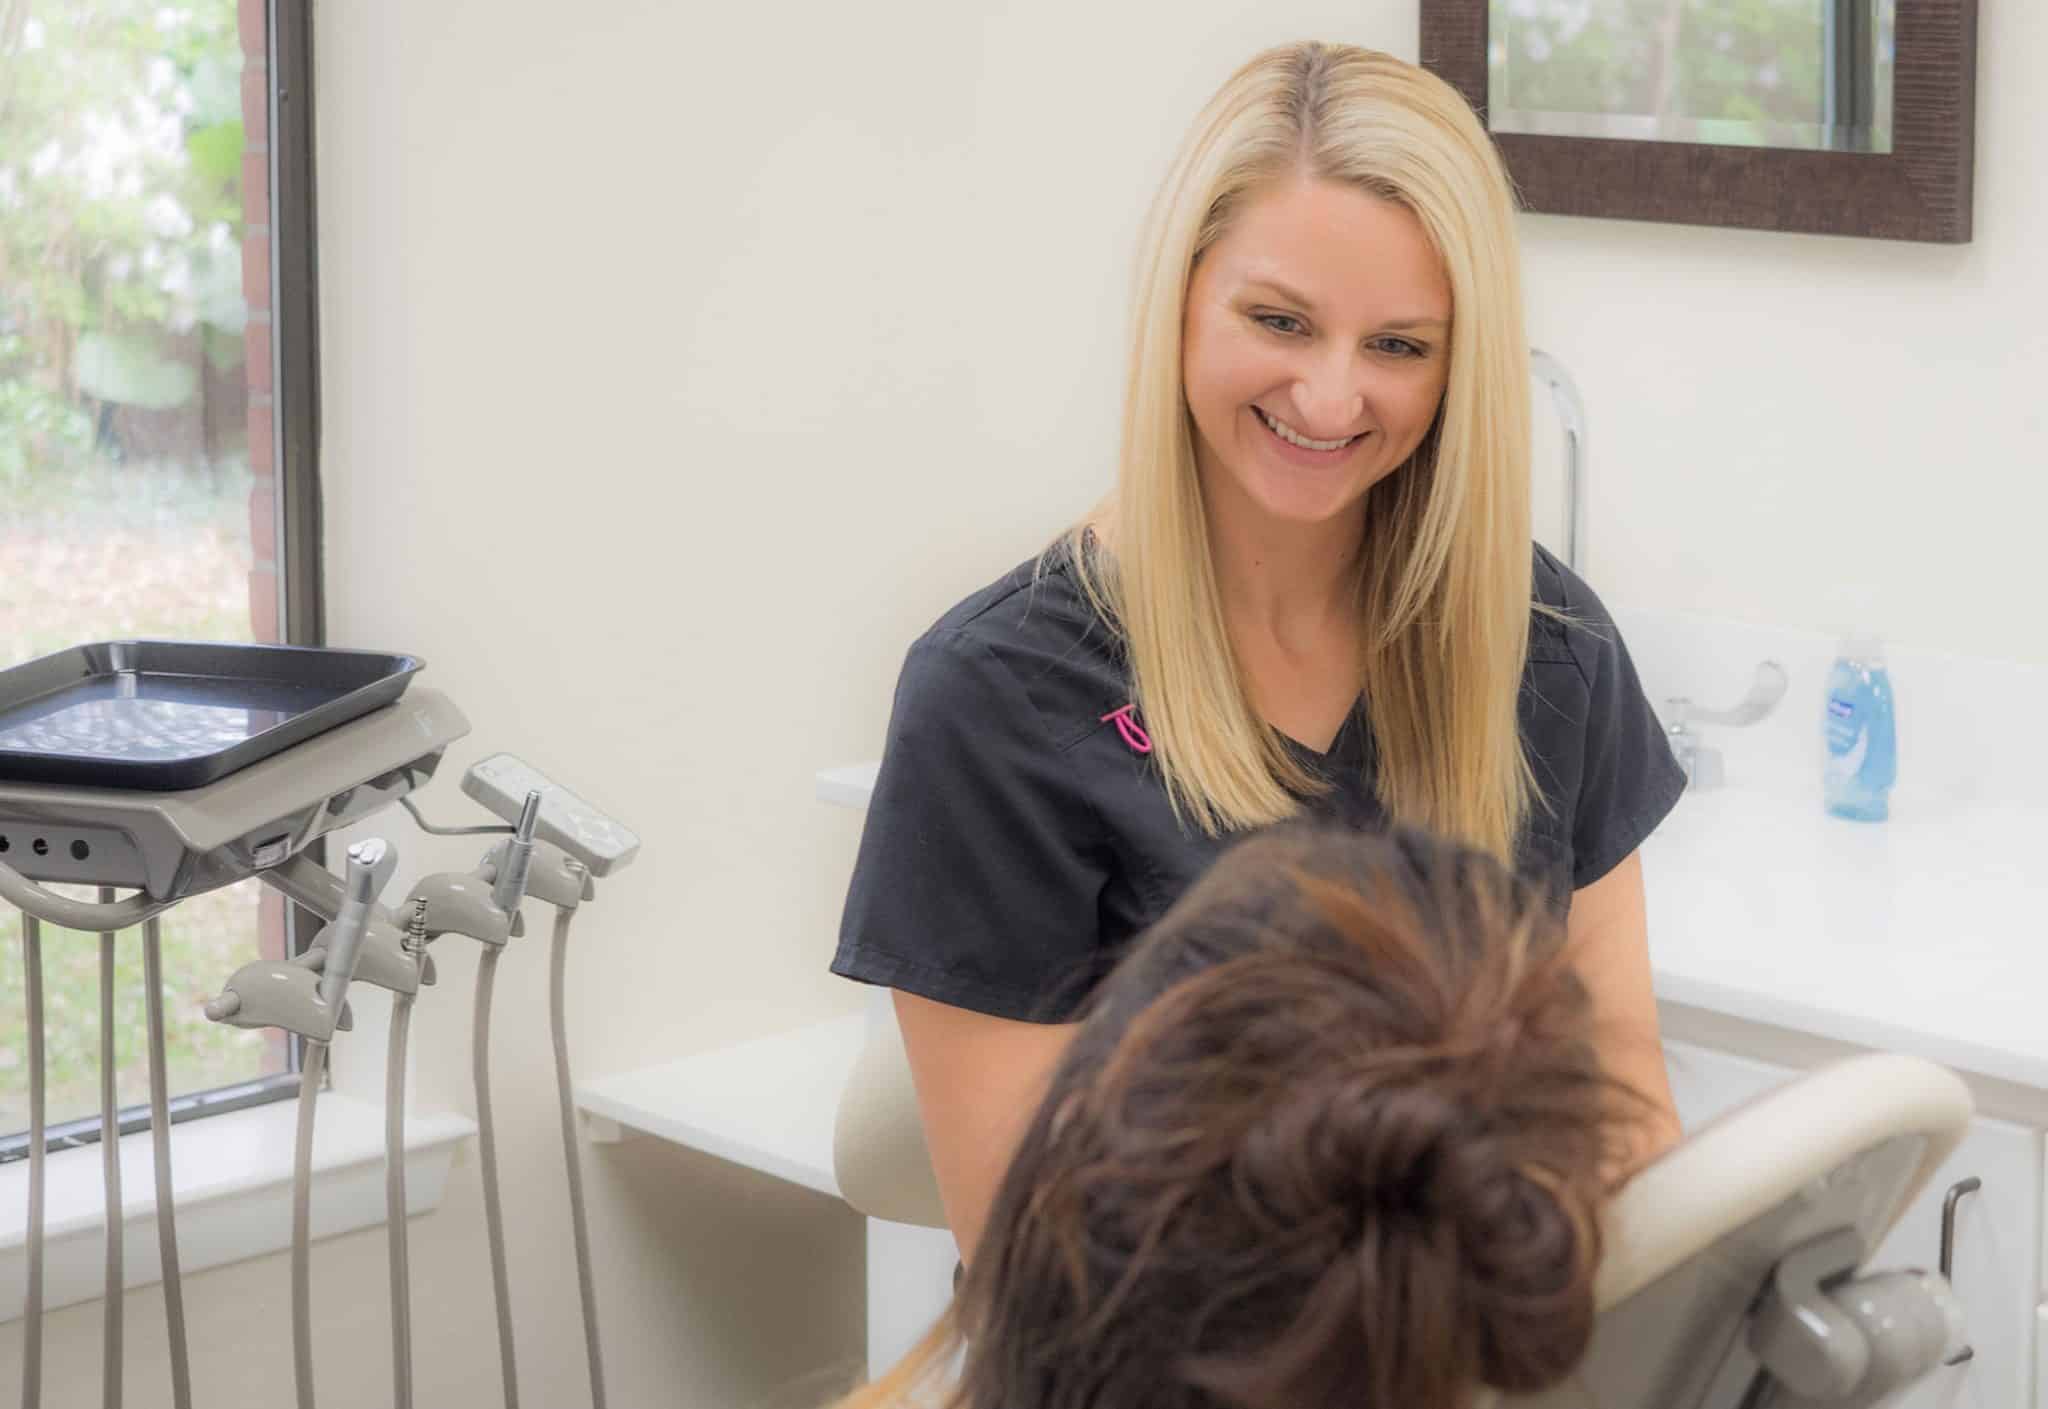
x: 1997, y: 1238
x: 1998, y: 1231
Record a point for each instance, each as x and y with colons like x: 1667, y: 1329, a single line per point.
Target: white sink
x: 1926, y: 933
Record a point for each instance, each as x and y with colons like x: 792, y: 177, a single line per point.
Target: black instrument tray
x: 164, y: 716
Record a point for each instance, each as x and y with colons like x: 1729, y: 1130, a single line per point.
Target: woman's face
x: 1322, y: 314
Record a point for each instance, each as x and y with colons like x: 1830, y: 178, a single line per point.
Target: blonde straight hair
x: 1444, y: 585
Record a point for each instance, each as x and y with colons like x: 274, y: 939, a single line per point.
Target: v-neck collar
x: 1345, y: 745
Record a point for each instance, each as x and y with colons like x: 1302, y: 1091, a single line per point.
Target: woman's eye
x: 1270, y: 320
x: 1399, y: 347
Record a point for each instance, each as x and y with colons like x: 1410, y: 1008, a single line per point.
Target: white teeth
x: 1293, y: 437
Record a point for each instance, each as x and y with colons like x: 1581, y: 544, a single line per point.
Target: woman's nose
x: 1330, y: 398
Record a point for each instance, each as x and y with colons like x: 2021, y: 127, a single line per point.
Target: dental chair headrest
x: 1695, y: 1239
x: 1753, y: 1158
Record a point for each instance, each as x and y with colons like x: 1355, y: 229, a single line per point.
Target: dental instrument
x: 160, y: 1146
x: 313, y: 1006
x: 110, y: 1169
x: 585, y: 843
x: 460, y: 902
x: 557, y: 843
x: 394, y: 1168
x: 397, y: 961
x: 456, y: 903
x: 32, y: 1312
x: 171, y: 769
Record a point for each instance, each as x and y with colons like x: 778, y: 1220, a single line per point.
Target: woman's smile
x: 1307, y: 450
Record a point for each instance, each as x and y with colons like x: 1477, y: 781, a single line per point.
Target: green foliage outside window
x: 121, y: 224
x: 1747, y: 61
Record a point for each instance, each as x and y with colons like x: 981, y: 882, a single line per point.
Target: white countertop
x: 1926, y: 934
x: 769, y: 1104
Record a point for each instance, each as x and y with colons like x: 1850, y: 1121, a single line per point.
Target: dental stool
x: 1733, y: 1275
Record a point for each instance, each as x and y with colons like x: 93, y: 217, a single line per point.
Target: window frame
x: 295, y: 445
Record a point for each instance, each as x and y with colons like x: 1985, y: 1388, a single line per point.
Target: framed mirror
x: 1833, y: 117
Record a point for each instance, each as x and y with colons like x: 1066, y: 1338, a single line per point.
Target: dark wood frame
x: 1921, y: 190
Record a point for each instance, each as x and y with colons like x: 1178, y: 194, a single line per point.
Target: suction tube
x: 506, y: 894
x: 302, y: 1223
x: 32, y: 1311
x: 394, y: 1202
x: 160, y: 1137
x: 571, y: 1149
x: 370, y: 864
x: 487, y: 1145
x: 110, y: 1173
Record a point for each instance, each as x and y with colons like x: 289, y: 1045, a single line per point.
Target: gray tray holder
x: 186, y: 843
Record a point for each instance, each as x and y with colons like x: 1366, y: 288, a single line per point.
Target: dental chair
x: 1734, y: 1273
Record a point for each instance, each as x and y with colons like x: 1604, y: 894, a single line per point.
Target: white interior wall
x: 680, y: 364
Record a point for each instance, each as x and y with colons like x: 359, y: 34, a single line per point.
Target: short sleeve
x: 981, y: 863
x: 1630, y: 780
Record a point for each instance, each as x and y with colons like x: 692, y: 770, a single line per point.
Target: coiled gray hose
x: 302, y: 1224
x: 160, y: 1137
x: 572, y: 1151
x: 110, y: 1172
x: 394, y: 1202
x: 32, y: 1311
x: 487, y: 1144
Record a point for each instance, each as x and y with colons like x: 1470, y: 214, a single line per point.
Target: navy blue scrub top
x: 1016, y: 842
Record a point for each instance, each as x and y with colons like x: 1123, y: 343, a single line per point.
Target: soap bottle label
x: 1848, y: 739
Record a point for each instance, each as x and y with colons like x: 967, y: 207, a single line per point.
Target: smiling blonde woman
x: 1312, y: 592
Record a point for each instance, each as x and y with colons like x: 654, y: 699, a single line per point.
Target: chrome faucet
x: 1703, y: 765
x: 1571, y: 410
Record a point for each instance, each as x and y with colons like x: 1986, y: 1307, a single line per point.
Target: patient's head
x: 1332, y: 1135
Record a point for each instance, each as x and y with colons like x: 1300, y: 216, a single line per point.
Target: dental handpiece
x: 304, y: 881
x: 413, y: 951
x: 510, y: 887
x: 555, y: 875
x: 370, y: 864
x: 500, y: 914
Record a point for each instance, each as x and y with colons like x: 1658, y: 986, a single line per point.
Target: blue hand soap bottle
x: 1861, y: 733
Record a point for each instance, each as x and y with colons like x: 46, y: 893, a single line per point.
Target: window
x: 157, y: 423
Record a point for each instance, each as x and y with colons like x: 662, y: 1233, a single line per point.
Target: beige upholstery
x: 1749, y: 1161
x: 1692, y: 1239
x: 878, y: 1149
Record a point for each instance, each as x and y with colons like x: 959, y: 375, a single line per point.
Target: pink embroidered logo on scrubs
x: 1127, y: 726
